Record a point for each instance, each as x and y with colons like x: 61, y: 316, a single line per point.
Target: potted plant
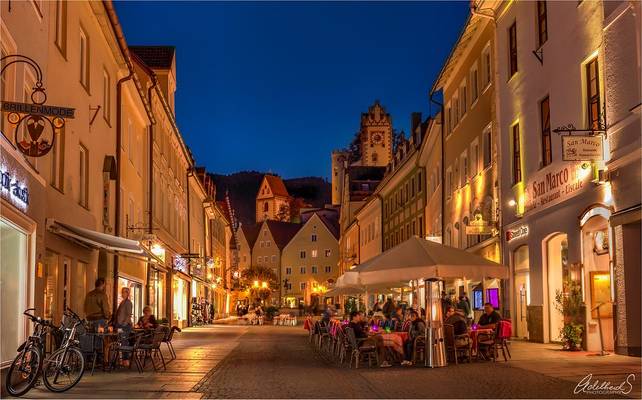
x: 568, y: 302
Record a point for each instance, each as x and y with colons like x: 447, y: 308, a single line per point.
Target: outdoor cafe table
x: 473, y: 336
x: 395, y: 340
x: 108, y: 338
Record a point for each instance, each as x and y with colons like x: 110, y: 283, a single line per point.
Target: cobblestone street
x: 226, y: 361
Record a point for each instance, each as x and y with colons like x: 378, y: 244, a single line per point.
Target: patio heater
x: 435, y: 346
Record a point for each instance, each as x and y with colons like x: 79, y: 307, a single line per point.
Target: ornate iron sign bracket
x: 35, y: 124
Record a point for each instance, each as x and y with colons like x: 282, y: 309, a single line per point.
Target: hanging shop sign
x: 181, y: 264
x: 552, y: 186
x: 35, y: 124
x: 582, y: 148
x: 519, y: 232
x: 477, y: 226
x: 16, y: 191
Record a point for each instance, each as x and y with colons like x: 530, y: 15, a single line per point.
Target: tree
x: 253, y: 279
x: 354, y: 149
x: 398, y: 137
x: 283, y: 214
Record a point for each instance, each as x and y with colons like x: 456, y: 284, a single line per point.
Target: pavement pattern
x: 227, y: 361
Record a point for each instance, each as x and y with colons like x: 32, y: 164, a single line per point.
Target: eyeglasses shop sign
x: 582, y: 148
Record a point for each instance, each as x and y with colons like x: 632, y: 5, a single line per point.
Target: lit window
x: 314, y: 254
x: 517, y: 158
x: 545, y: 124
x: 542, y: 28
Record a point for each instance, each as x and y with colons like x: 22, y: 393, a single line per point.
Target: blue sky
x: 277, y: 86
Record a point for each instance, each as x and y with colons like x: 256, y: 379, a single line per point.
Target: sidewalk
x: 198, y: 350
x: 548, y: 359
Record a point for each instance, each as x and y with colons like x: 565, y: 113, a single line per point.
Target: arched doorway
x: 557, y: 267
x: 521, y: 268
x: 596, y: 262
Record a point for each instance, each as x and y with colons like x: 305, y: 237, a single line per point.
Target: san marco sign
x: 36, y: 123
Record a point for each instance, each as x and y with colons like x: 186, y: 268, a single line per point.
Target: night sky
x: 277, y: 86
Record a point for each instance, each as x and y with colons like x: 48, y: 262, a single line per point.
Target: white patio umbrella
x: 418, y: 258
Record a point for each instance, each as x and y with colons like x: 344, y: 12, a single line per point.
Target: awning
x: 96, y: 240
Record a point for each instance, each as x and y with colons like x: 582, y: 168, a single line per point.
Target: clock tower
x: 376, y: 136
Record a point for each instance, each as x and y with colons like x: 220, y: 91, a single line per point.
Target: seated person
x: 417, y: 329
x: 489, y: 318
x: 396, y: 321
x: 378, y: 319
x: 147, y: 321
x: 359, y: 327
x: 457, y: 320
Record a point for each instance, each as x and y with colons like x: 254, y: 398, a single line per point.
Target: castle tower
x: 339, y: 164
x: 376, y: 136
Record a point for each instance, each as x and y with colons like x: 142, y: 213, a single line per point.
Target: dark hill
x: 244, y: 185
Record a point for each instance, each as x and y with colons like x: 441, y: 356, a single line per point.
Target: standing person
x: 123, y: 320
x: 388, y: 308
x: 464, y: 306
x: 417, y: 329
x: 445, y: 303
x: 97, y: 305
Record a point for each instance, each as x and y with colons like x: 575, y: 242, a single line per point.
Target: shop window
x: 13, y: 263
x: 478, y: 299
x: 486, y: 66
x: 492, y: 295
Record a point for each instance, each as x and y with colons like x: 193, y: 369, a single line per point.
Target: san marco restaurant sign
x: 552, y: 186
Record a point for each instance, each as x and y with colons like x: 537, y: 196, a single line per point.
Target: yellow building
x: 470, y: 146
x: 309, y: 262
x: 169, y: 280
x: 272, y: 238
x: 272, y: 200
x: 430, y: 161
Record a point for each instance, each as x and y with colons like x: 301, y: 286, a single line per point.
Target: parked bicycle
x: 61, y: 371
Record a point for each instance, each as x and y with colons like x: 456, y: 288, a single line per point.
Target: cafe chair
x: 168, y: 341
x: 419, y: 349
x: 153, y: 349
x: 457, y: 344
x: 365, y: 352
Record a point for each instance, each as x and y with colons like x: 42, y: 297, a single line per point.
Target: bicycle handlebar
x: 35, y: 319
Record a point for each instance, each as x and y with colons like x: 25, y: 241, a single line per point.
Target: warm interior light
x: 512, y: 203
x: 264, y: 284
x: 256, y: 283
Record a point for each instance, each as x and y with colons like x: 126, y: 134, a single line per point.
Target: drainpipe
x: 442, y: 169
x: 119, y: 95
x: 190, y: 172
x: 150, y: 200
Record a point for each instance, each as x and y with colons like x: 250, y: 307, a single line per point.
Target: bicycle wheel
x: 63, y: 369
x: 23, y: 372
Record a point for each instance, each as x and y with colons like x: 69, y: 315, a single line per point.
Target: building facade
x: 272, y: 200
x: 309, y: 262
x: 550, y: 73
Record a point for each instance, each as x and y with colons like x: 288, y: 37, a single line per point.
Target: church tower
x: 376, y: 136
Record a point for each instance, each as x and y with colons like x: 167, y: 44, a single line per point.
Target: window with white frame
x: 487, y: 66
x: 58, y: 160
x: 448, y: 119
x: 328, y: 269
x: 463, y: 95
x: 465, y: 173
x: 83, y: 176
x: 84, y: 59
x: 455, y: 103
x: 474, y: 83
x: 474, y: 157
x: 107, y: 96
x: 61, y: 26
x: 288, y: 270
x: 315, y: 269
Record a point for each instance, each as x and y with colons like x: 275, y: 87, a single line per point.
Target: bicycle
x: 23, y: 372
x: 67, y: 361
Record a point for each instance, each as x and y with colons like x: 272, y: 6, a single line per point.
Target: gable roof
x: 330, y: 223
x: 276, y: 185
x: 282, y: 232
x: 251, y: 233
x: 155, y: 56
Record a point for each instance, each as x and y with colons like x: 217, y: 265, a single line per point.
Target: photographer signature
x: 604, y: 387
